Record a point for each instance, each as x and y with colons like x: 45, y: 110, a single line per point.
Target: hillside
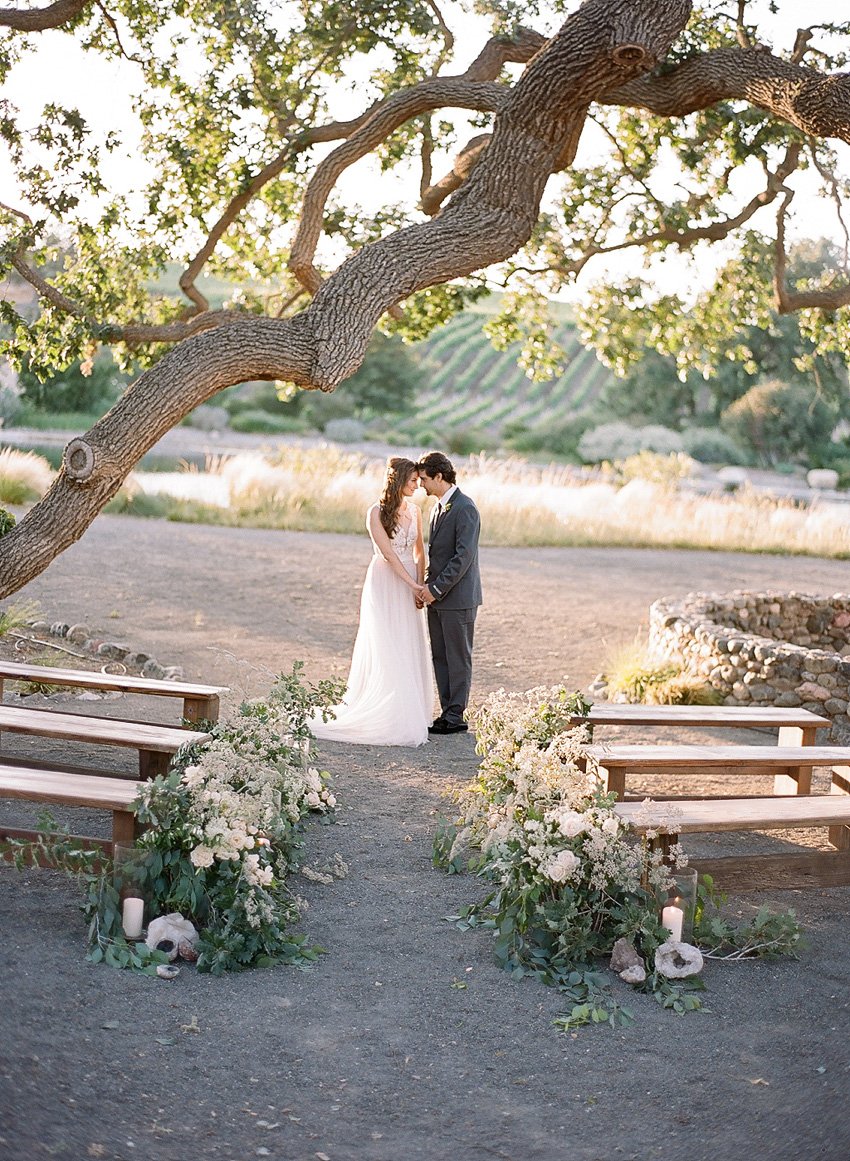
x: 473, y: 385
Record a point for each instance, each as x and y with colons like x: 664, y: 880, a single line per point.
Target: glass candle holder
x: 127, y: 867
x: 678, y: 905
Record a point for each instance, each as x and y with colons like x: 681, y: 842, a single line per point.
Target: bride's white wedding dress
x: 389, y: 697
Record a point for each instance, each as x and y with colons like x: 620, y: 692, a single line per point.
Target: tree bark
x: 601, y: 47
x: 40, y: 19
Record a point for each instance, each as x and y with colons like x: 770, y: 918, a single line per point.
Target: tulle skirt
x: 389, y: 697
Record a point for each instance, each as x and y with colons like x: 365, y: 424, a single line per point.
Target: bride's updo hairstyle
x: 399, y: 471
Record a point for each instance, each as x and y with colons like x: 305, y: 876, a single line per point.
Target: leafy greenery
x: 221, y: 833
x: 780, y: 422
x: 568, y: 879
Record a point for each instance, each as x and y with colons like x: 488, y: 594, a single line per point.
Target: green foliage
x: 221, y: 832
x: 8, y: 521
x: 779, y: 421
x: 709, y: 445
x: 17, y: 615
x: 255, y: 419
x: 618, y: 441
x: 633, y: 673
x: 88, y: 388
x: 768, y: 934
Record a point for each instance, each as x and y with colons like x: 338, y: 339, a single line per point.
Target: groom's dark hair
x: 438, y: 464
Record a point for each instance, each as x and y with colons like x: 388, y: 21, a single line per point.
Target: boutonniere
x: 448, y: 507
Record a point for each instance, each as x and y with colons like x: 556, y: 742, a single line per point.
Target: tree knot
x: 631, y: 56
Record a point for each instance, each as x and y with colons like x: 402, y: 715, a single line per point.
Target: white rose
x: 562, y: 867
x: 570, y: 823
x: 611, y: 826
x: 201, y: 857
x: 313, y: 800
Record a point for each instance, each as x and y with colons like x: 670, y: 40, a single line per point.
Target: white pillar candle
x: 131, y: 917
x: 673, y: 919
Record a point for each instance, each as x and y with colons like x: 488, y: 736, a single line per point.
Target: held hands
x: 424, y: 597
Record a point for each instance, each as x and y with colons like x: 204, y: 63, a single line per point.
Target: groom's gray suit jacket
x: 453, y: 575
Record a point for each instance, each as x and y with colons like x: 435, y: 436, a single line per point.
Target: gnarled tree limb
x: 817, y: 104
x: 40, y: 19
x: 788, y: 301
x: 489, y: 219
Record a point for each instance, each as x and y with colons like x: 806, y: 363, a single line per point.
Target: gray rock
x: 153, y: 669
x: 113, y: 650
x: 624, y: 955
x: 59, y: 629
x: 635, y: 974
x: 79, y: 633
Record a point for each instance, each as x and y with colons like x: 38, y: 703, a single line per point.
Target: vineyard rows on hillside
x: 470, y: 384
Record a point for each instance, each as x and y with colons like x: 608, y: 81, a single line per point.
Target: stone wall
x: 782, y: 649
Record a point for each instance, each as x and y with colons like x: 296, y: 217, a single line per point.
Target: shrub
x: 345, y: 430
x: 656, y: 468
x: 560, y: 438
x: 208, y: 418
x: 779, y: 421
x: 709, y: 445
x: 618, y: 441
x: 23, y: 476
x: 265, y: 423
x: 466, y: 441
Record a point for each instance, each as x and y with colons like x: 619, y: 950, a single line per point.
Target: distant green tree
x: 90, y: 391
x: 386, y: 385
x: 780, y: 422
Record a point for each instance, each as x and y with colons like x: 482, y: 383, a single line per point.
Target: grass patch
x: 45, y: 659
x: 633, y: 673
x: 18, y: 615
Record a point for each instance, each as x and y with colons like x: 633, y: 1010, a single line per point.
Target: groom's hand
x: 428, y: 597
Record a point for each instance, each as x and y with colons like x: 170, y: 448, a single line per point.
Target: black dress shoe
x: 454, y: 728
x: 438, y: 726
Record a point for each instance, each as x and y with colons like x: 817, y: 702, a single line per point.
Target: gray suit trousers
x: 451, y: 632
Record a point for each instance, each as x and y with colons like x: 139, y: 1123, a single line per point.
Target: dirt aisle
x: 380, y: 1052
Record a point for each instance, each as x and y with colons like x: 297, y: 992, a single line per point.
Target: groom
x: 452, y: 589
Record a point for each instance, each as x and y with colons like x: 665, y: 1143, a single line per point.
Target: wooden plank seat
x: 156, y: 744
x: 200, y: 702
x: 796, y: 726
x: 57, y: 787
x: 748, y: 814
x: 616, y: 761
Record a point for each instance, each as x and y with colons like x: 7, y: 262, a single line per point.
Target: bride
x: 389, y: 697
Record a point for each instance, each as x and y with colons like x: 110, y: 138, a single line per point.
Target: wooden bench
x: 796, y: 727
x: 200, y: 702
x: 737, y: 814
x: 615, y: 762
x: 156, y: 744
x: 44, y: 784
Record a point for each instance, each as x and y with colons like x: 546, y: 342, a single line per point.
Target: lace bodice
x: 404, y: 540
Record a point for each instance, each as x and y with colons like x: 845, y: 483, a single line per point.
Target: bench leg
x: 123, y: 827
x: 200, y: 709
x: 615, y: 780
x: 152, y: 763
x: 796, y: 779
x: 839, y: 836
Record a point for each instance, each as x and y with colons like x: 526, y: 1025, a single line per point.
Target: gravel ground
x: 377, y: 1052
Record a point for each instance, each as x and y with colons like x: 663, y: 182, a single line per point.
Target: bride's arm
x: 385, y: 546
x: 419, y: 548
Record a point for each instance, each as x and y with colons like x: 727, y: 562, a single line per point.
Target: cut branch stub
x: 629, y: 55
x: 79, y: 460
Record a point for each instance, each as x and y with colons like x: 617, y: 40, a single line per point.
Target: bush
x: 345, y: 430
x: 560, y: 438
x: 208, y: 418
x: 466, y: 441
x: 264, y: 423
x: 618, y: 441
x: 23, y: 476
x: 656, y: 468
x: 709, y: 445
x: 779, y: 421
